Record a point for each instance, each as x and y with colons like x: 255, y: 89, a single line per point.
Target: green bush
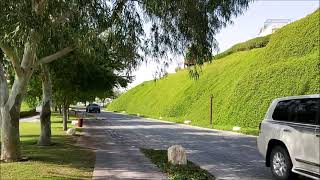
x: 25, y: 106
x: 243, y: 83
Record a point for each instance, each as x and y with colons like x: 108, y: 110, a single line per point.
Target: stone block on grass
x: 71, y: 132
x: 177, y: 155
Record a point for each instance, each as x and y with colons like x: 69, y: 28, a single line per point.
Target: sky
x: 244, y: 27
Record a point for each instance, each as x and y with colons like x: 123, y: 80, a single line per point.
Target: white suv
x: 289, y: 137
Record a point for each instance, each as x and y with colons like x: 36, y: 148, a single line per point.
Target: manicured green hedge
x: 30, y: 113
x: 243, y: 84
x: 296, y: 39
x: 258, y: 42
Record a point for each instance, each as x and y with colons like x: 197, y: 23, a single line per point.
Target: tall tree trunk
x: 45, y: 115
x: 68, y: 112
x: 10, y: 113
x: 4, y: 93
x: 10, y: 106
x: 4, y: 96
x: 10, y: 147
x: 65, y: 116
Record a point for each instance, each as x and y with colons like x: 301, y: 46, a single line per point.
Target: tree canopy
x: 172, y: 25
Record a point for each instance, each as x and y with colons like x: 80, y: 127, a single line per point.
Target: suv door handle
x: 317, y: 135
x: 286, y: 130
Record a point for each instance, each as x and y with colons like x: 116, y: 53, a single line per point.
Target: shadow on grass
x: 60, y: 122
x: 63, y: 153
x: 64, y: 177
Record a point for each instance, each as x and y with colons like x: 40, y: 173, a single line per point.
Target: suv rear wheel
x: 280, y: 163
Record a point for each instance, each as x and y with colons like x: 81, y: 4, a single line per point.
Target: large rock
x: 71, y: 131
x: 177, y: 155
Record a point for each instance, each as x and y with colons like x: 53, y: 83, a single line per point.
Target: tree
x: 87, y: 77
x: 45, y: 114
x: 24, y: 27
x: 37, y: 32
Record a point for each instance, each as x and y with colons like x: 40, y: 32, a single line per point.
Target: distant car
x: 93, y: 108
x: 289, y: 137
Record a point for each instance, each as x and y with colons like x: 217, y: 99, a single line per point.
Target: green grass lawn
x: 63, y: 160
x: 25, y: 107
x: 176, y: 172
x: 243, y: 82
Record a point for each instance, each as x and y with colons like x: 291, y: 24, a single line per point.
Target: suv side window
x: 284, y: 111
x: 305, y: 111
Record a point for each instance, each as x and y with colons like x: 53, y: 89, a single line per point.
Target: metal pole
x: 211, y: 110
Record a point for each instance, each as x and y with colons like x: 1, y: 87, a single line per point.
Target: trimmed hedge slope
x: 254, y: 43
x: 243, y: 83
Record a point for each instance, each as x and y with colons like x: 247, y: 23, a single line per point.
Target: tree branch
x: 61, y: 19
x: 118, y: 8
x: 39, y: 6
x: 13, y: 58
x: 56, y: 55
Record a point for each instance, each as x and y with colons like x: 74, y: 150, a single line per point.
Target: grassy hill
x: 244, y: 81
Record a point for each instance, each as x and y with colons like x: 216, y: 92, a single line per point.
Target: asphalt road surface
x: 225, y: 154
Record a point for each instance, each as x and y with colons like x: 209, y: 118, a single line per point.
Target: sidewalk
x: 115, y: 159
x: 35, y: 118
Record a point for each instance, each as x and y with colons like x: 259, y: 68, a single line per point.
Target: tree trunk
x: 68, y: 112
x: 10, y: 106
x: 65, y: 117
x: 4, y: 93
x: 10, y: 147
x: 8, y: 152
x: 45, y: 115
x: 60, y: 109
x: 10, y: 114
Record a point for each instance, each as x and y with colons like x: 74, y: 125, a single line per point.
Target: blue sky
x: 245, y: 26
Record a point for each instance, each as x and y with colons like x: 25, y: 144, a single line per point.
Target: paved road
x: 227, y: 155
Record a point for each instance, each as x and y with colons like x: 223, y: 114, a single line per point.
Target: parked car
x: 95, y: 108
x: 289, y: 137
